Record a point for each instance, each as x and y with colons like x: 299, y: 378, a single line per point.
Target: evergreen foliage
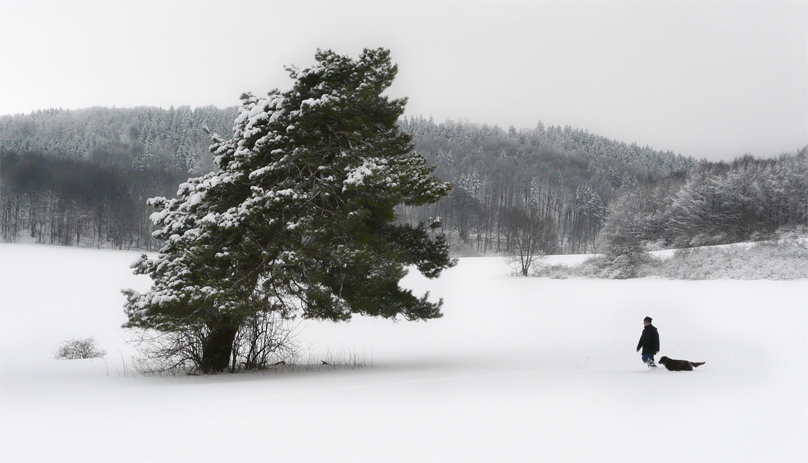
x: 299, y: 219
x: 622, y: 249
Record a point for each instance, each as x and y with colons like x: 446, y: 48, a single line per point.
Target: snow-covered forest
x: 138, y: 138
x: 83, y: 177
x: 581, y: 184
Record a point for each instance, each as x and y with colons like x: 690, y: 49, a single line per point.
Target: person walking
x: 649, y: 342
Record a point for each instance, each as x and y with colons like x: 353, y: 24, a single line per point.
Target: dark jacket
x: 649, y: 341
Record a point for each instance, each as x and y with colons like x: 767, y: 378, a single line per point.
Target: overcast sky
x: 706, y: 79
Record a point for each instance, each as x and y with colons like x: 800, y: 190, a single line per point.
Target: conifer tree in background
x: 299, y: 220
x: 622, y: 248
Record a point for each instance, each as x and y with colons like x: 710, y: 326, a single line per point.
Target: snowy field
x: 518, y: 369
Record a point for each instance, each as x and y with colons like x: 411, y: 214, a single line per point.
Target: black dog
x: 679, y: 365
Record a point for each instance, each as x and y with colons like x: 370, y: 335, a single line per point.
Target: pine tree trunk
x: 218, y: 347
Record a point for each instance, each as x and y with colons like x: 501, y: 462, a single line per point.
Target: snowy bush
x: 79, y: 349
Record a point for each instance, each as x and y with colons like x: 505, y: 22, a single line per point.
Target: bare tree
x: 530, y: 236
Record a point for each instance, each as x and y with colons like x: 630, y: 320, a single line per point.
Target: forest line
x: 83, y: 178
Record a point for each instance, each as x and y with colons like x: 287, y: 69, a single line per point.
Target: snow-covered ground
x: 518, y: 369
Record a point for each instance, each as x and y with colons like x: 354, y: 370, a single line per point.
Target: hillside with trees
x: 564, y: 178
x: 76, y: 202
x: 568, y: 176
x: 83, y: 178
x: 144, y: 137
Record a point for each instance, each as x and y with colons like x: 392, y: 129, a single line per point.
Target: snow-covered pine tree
x: 622, y: 247
x: 299, y: 220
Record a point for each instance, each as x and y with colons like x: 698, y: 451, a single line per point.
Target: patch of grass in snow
x: 341, y: 360
x: 297, y: 363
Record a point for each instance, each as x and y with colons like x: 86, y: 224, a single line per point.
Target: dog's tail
x: 697, y: 364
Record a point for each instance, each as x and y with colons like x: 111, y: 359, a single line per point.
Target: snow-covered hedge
x: 761, y: 261
x: 770, y: 260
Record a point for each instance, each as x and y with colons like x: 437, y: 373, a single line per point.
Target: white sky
x: 700, y: 78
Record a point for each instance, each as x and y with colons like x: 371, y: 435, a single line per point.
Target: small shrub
x: 79, y: 349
